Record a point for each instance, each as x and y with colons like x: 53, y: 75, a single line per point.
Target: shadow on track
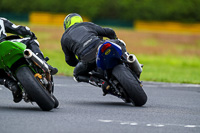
x: 9, y: 108
x: 107, y: 104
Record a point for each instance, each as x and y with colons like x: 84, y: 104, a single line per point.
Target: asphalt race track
x: 171, y: 108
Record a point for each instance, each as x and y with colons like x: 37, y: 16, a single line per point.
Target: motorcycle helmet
x: 71, y: 19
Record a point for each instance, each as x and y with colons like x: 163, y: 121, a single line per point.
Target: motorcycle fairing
x: 10, y: 52
x: 108, y: 56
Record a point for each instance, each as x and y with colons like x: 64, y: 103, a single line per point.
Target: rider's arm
x: 16, y: 29
x: 110, y: 33
x: 105, y: 32
x: 70, y: 58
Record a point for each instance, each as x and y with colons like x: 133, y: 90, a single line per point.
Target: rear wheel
x: 34, y: 89
x: 56, y: 101
x: 130, y: 84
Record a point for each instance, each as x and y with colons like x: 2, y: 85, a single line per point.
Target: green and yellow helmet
x: 71, y: 19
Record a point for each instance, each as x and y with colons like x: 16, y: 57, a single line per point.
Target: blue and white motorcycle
x: 117, y: 75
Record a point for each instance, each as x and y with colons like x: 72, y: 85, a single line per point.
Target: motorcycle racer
x: 81, y: 39
x: 29, y: 39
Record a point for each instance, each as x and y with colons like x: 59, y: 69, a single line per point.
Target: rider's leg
x: 81, y: 71
x: 81, y: 75
x: 34, y: 46
x: 11, y: 85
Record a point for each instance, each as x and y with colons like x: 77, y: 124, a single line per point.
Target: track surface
x: 170, y: 108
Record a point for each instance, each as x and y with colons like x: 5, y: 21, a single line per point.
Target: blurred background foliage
x: 170, y: 56
x: 127, y: 10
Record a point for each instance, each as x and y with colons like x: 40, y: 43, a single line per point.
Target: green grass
x: 177, y: 69
x: 170, y: 69
x: 160, y: 67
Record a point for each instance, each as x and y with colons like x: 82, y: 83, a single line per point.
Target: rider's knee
x: 81, y: 73
x: 80, y: 78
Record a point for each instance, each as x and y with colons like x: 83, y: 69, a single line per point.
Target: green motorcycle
x: 31, y: 73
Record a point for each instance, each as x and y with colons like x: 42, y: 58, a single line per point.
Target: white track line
x: 149, y: 124
x: 161, y: 84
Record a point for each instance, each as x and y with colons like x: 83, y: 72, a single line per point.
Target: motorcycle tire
x: 34, y: 89
x: 130, y: 84
x: 56, y: 101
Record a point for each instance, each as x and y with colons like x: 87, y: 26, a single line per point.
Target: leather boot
x: 16, y: 91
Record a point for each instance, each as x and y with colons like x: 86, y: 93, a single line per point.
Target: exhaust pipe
x: 28, y: 54
x: 134, y: 64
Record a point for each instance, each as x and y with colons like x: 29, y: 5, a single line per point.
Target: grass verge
x: 177, y: 69
x: 167, y: 68
x: 166, y: 57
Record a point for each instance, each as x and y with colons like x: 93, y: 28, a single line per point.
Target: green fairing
x: 10, y: 52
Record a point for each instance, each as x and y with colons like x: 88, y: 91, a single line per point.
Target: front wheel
x: 130, y: 84
x: 56, y: 101
x: 34, y: 89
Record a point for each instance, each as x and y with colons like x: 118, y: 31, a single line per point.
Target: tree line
x: 128, y: 10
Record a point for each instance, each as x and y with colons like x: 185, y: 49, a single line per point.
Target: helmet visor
x: 69, y: 21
